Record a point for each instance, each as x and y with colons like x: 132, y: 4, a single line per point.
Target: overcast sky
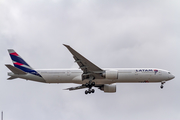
x: 110, y: 33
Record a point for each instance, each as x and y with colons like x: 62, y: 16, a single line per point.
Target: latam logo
x: 147, y: 70
x: 144, y: 70
x: 155, y: 71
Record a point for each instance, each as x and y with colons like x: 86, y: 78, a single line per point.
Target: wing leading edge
x: 89, y: 69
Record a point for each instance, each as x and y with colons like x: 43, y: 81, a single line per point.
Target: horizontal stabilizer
x: 14, y: 69
x: 10, y: 78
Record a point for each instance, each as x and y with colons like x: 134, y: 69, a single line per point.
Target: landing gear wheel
x: 87, y: 85
x: 92, y: 90
x: 86, y: 92
x: 93, y: 83
x: 162, y: 83
x: 89, y: 91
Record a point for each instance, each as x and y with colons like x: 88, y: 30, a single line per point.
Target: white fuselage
x: 124, y: 75
x: 88, y: 75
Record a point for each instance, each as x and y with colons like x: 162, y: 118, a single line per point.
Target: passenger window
x: 169, y: 72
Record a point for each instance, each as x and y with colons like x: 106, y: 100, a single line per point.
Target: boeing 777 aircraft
x: 89, y: 75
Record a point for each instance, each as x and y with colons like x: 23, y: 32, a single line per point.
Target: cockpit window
x: 169, y: 73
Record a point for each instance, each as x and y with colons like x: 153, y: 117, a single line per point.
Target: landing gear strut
x: 162, y: 83
x: 90, y: 85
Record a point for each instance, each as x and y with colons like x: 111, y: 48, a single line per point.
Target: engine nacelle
x: 108, y: 88
x: 111, y: 74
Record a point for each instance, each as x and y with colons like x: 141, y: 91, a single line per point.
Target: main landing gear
x: 90, y: 85
x: 89, y: 91
x: 162, y: 83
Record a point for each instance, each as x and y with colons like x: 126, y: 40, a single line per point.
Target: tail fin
x: 20, y: 63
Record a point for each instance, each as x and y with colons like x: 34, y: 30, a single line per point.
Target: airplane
x: 88, y: 75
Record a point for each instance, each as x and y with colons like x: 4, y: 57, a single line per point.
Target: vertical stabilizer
x: 20, y: 63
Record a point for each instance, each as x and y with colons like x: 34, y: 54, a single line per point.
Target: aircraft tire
x: 92, y: 90
x: 89, y: 91
x: 93, y: 83
x: 86, y: 92
x: 87, y: 85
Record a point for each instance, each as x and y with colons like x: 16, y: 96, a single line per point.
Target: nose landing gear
x: 162, y: 83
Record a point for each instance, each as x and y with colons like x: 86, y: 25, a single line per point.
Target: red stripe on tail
x: 18, y: 63
x: 15, y: 54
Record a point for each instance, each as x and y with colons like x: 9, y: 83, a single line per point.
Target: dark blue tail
x: 20, y: 63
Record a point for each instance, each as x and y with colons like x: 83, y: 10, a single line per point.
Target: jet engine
x: 108, y: 88
x: 110, y: 74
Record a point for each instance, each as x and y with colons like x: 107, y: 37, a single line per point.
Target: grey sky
x: 110, y: 34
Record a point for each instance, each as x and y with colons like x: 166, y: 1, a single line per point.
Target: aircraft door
x: 68, y: 73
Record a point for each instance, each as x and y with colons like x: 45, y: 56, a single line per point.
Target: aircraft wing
x: 88, y: 68
x: 76, y: 88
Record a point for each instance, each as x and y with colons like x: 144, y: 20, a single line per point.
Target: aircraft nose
x: 171, y: 76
